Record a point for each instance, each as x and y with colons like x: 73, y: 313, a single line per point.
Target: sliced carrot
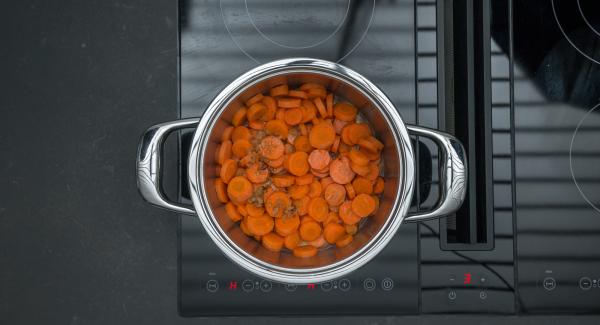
x: 326, y: 181
x: 305, y: 251
x: 240, y: 133
x: 336, y: 144
x: 344, y: 111
x: 232, y: 212
x: 224, y: 152
x: 321, y: 136
x: 318, y: 243
x: 309, y: 112
x: 373, y: 172
x: 297, y: 94
x: 318, y: 208
x: 241, y: 148
x: 289, y: 102
x: 367, y: 145
x: 283, y: 180
x: 303, y: 129
x: 280, y: 115
x: 346, y: 134
x: 340, y: 171
x: 332, y: 217
x: 344, y: 241
x: 358, y: 158
x: 277, y: 128
x: 351, y: 229
x: 256, y: 125
x: 287, y: 225
x: 221, y: 190
x: 272, y: 242
x: 344, y: 148
x: 333, y: 232
x: 304, y: 179
x: 310, y: 85
x: 360, y: 170
x: 293, y: 116
x: 362, y: 185
x: 363, y: 205
x: 358, y: 132
x: 298, y: 191
x: 245, y: 228
x: 239, y: 189
x: 329, y: 102
x: 275, y: 162
x: 271, y: 147
x: 379, y: 185
x: 281, y: 90
x: 347, y: 215
x: 248, y: 160
x: 316, y: 92
x: 241, y: 209
x: 319, y: 174
x: 315, y: 189
x: 301, y: 205
x: 254, y: 99
x: 260, y: 226
x: 228, y: 170
x: 254, y: 210
x: 289, y: 148
x: 256, y: 112
x: 301, y: 143
x: 257, y: 175
x: 350, y: 191
x: 239, y: 117
x: 227, y: 133
x: 310, y: 231
x: 277, y: 204
x: 319, y: 159
x: 320, y: 107
x: 292, y: 240
x: 270, y: 102
x: 298, y: 163
x: 335, y: 194
x: 339, y: 125
x: 372, y: 155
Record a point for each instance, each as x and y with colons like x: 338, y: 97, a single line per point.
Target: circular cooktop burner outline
x: 567, y: 37
x: 585, y: 18
x: 239, y: 46
x: 571, y: 158
x: 338, y: 27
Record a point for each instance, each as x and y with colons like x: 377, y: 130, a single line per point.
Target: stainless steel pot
x: 375, y: 233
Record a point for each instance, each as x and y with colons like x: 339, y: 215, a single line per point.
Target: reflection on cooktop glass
x: 517, y: 81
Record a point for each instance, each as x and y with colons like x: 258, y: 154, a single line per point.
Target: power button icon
x: 451, y: 295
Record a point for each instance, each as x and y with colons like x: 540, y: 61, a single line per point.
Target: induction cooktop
x: 517, y: 81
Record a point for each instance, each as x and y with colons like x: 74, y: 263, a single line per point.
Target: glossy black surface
x: 222, y: 39
x: 542, y: 84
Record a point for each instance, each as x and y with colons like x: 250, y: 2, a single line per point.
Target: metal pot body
x: 375, y: 232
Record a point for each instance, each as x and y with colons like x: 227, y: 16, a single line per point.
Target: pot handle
x: 453, y: 173
x: 148, y: 163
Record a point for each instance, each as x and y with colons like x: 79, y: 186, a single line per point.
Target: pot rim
x: 350, y: 263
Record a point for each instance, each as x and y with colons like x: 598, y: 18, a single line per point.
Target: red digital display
x: 467, y: 278
x: 232, y: 285
x: 310, y: 286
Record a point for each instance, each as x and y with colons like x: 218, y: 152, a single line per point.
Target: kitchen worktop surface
x: 78, y: 245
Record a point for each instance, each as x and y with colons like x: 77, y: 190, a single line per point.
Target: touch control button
x: 369, y: 284
x: 451, y: 295
x: 344, y: 284
x: 585, y: 283
x: 248, y: 285
x: 212, y: 285
x: 291, y: 287
x: 265, y: 286
x: 326, y: 286
x: 549, y: 283
x: 387, y: 284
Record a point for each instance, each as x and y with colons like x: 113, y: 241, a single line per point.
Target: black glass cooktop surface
x: 517, y: 81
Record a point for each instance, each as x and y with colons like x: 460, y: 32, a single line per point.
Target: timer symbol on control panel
x: 467, y: 278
